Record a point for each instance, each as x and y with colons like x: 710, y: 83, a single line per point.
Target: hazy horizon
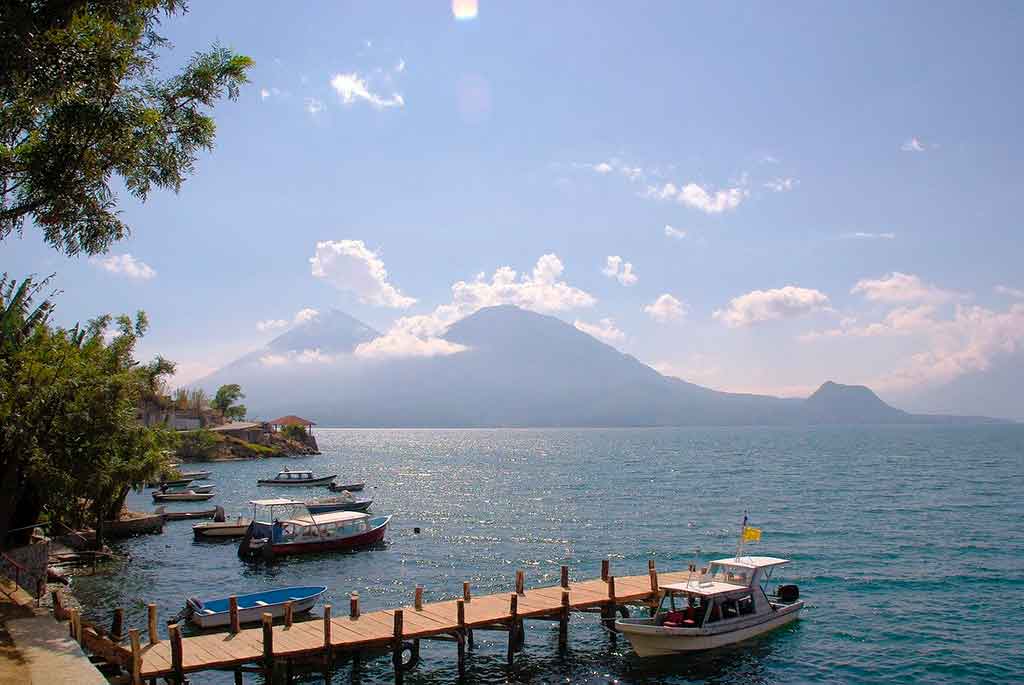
x: 750, y: 198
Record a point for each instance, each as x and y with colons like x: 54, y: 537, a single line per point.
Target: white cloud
x: 604, y: 330
x: 968, y: 343
x: 901, y: 287
x: 1010, y: 292
x: 862, y: 235
x: 350, y: 87
x: 676, y: 233
x: 264, y: 93
x: 781, y: 185
x: 400, y: 67
x: 350, y: 266
x: 622, y: 272
x: 314, y: 106
x: 539, y: 291
x: 271, y: 325
x: 603, y: 168
x: 308, y: 357
x: 913, y: 145
x: 697, y: 197
x: 399, y: 344
x: 301, y: 316
x: 125, y: 265
x: 666, y: 308
x: 767, y: 305
x: 900, y: 321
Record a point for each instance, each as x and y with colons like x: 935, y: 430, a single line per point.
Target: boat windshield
x: 730, y: 573
x: 278, y: 512
x: 682, y: 610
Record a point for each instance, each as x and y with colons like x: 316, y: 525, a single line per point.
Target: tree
x: 70, y: 441
x: 224, y: 401
x: 82, y: 102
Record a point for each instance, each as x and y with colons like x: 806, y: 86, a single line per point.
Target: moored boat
x: 351, y: 487
x: 289, y: 477
x: 185, y: 515
x: 251, y: 607
x: 196, y: 475
x: 211, y: 530
x: 184, y: 496
x: 296, y: 531
x: 323, y: 505
x: 201, y: 489
x: 726, y: 605
x: 178, y: 482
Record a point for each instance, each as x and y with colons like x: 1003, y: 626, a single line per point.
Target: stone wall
x: 33, y: 560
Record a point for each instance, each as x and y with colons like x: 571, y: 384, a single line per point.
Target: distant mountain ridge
x: 520, y: 369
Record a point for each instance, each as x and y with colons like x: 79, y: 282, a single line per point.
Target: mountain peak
x: 837, y: 403
x: 329, y: 331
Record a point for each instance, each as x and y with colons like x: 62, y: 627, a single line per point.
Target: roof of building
x: 291, y: 420
x: 752, y: 562
x: 236, y: 426
x: 704, y: 589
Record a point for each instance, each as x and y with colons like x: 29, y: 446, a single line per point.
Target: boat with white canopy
x: 283, y: 526
x: 722, y: 604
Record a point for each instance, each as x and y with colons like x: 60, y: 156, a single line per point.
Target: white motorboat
x: 726, y: 604
x: 221, y: 529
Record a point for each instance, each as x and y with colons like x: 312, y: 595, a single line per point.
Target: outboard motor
x: 788, y: 593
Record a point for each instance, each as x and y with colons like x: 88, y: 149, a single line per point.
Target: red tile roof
x: 291, y: 420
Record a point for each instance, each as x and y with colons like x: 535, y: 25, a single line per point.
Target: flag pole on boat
x: 743, y: 533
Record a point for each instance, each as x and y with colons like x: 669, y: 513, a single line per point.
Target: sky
x: 754, y: 197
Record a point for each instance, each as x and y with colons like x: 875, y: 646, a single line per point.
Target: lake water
x: 906, y: 543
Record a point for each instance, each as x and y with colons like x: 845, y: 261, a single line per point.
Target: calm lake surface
x: 907, y: 544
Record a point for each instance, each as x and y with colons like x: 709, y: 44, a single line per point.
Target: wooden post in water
x: 520, y: 582
x: 396, y: 647
x: 565, y: 577
x: 153, y: 636
x: 117, y: 624
x: 563, y: 623
x: 605, y: 563
x: 653, y: 573
x: 174, y: 635
x: 513, y: 610
x: 233, y: 611
x: 465, y: 591
x: 419, y: 598
x: 268, y: 646
x: 353, y: 605
x: 460, y: 612
x: 289, y: 608
x: 136, y: 657
x: 328, y: 651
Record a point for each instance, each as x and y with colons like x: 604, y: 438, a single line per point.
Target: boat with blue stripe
x: 251, y: 607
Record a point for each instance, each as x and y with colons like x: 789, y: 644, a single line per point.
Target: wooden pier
x: 274, y: 649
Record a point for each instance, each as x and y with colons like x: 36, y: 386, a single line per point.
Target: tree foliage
x: 82, y: 102
x: 296, y: 433
x: 225, y: 399
x: 71, y: 444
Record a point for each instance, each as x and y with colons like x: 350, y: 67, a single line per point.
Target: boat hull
x: 652, y: 640
x: 252, y: 614
x: 371, y: 537
x: 351, y: 487
x: 220, y: 531
x: 173, y: 497
x: 324, y: 480
x: 358, y: 505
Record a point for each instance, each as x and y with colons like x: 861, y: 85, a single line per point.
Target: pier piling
x: 418, y: 602
x: 565, y: 577
x: 153, y: 637
x: 133, y: 635
x: 268, y: 646
x: 563, y: 623
x: 174, y: 635
x: 513, y: 609
x: 233, y: 611
x: 353, y: 605
x: 289, y: 608
x: 396, y: 648
x: 117, y: 624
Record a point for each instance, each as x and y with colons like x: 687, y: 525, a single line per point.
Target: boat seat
x: 260, y: 602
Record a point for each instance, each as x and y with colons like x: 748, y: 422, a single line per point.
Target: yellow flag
x: 751, y: 534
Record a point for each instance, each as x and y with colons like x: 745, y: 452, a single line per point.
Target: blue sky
x: 846, y: 177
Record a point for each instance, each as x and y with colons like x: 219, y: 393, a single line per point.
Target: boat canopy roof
x: 278, y: 502
x: 281, y: 473
x: 752, y: 562
x: 330, y: 517
x: 704, y: 589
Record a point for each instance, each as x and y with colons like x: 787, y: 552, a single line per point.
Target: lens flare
x: 464, y: 10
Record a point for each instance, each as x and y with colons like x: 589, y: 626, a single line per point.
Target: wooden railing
x: 18, y: 573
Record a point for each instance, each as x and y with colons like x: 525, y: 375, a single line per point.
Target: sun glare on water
x: 464, y: 10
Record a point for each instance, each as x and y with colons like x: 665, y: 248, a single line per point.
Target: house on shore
x: 278, y: 424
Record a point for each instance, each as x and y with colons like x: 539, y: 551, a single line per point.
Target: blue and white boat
x: 251, y: 607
